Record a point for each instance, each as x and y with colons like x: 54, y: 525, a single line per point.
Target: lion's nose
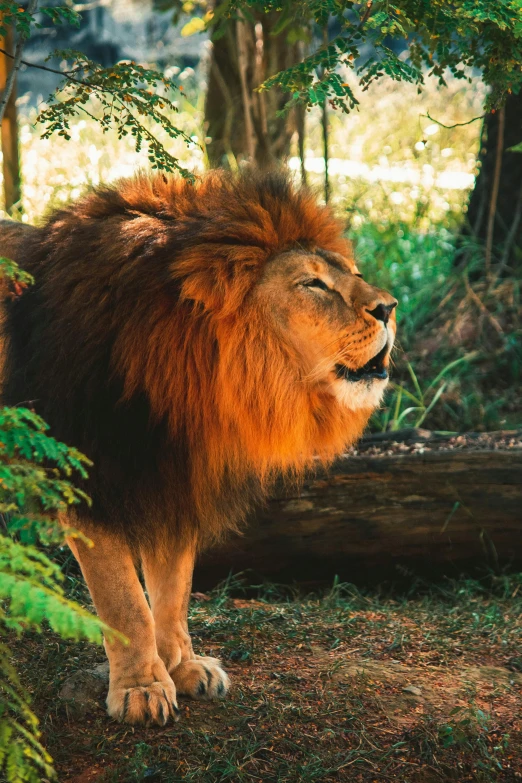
x: 382, y: 311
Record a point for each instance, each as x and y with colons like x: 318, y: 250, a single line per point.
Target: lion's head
x: 340, y: 328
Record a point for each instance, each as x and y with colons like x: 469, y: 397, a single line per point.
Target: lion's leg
x: 140, y: 687
x: 168, y: 576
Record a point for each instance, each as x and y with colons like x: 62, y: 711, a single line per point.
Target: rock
x: 84, y: 690
x: 200, y: 597
x: 413, y: 689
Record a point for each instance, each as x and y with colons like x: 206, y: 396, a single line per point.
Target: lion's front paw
x: 201, y: 678
x: 152, y: 703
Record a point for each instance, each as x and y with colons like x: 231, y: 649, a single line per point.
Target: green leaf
x: 130, y: 97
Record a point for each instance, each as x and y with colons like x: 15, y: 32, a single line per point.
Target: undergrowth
x: 457, y: 364
x: 35, y: 487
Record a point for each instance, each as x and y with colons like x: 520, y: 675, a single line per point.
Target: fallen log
x: 408, y: 502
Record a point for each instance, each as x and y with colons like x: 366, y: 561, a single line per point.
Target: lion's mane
x: 141, y: 345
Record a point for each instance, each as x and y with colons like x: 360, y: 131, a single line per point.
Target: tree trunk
x: 242, y: 123
x: 369, y: 517
x: 9, y: 131
x: 495, y: 207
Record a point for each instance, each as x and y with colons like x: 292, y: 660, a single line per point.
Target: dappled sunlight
x: 57, y: 170
x: 390, y: 163
x: 387, y: 162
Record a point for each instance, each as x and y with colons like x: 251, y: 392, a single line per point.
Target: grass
x: 350, y: 685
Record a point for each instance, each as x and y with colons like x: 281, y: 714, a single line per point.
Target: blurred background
x: 407, y: 170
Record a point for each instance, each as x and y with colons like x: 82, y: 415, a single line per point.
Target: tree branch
x: 367, y: 12
x: 65, y: 74
x: 17, y: 58
x: 456, y: 124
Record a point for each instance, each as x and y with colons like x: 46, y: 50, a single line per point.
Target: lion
x: 195, y: 342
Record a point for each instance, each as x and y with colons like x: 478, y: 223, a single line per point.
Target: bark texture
x: 9, y: 129
x: 370, y: 517
x: 242, y: 123
x: 495, y: 207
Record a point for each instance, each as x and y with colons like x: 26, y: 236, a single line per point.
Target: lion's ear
x: 219, y: 277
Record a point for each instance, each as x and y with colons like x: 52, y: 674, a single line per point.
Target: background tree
x: 247, y: 47
x: 242, y: 122
x: 408, y: 40
x: 494, y: 216
x: 9, y: 125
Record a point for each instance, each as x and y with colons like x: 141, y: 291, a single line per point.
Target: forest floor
x: 416, y: 688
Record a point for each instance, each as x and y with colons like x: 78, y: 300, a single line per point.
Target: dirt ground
x: 347, y: 687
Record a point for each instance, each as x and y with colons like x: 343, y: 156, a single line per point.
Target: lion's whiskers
x: 328, y: 363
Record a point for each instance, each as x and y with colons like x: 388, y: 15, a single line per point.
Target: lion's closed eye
x: 316, y: 282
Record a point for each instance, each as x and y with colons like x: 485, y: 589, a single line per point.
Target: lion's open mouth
x: 374, y: 368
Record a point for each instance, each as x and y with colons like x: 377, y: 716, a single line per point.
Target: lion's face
x: 339, y: 328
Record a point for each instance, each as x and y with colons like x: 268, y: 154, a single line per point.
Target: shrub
x: 35, y: 487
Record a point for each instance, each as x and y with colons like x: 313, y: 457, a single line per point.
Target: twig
x: 448, y: 296
x: 455, y: 125
x: 17, y: 57
x: 494, y: 190
x: 65, y: 74
x: 368, y: 11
